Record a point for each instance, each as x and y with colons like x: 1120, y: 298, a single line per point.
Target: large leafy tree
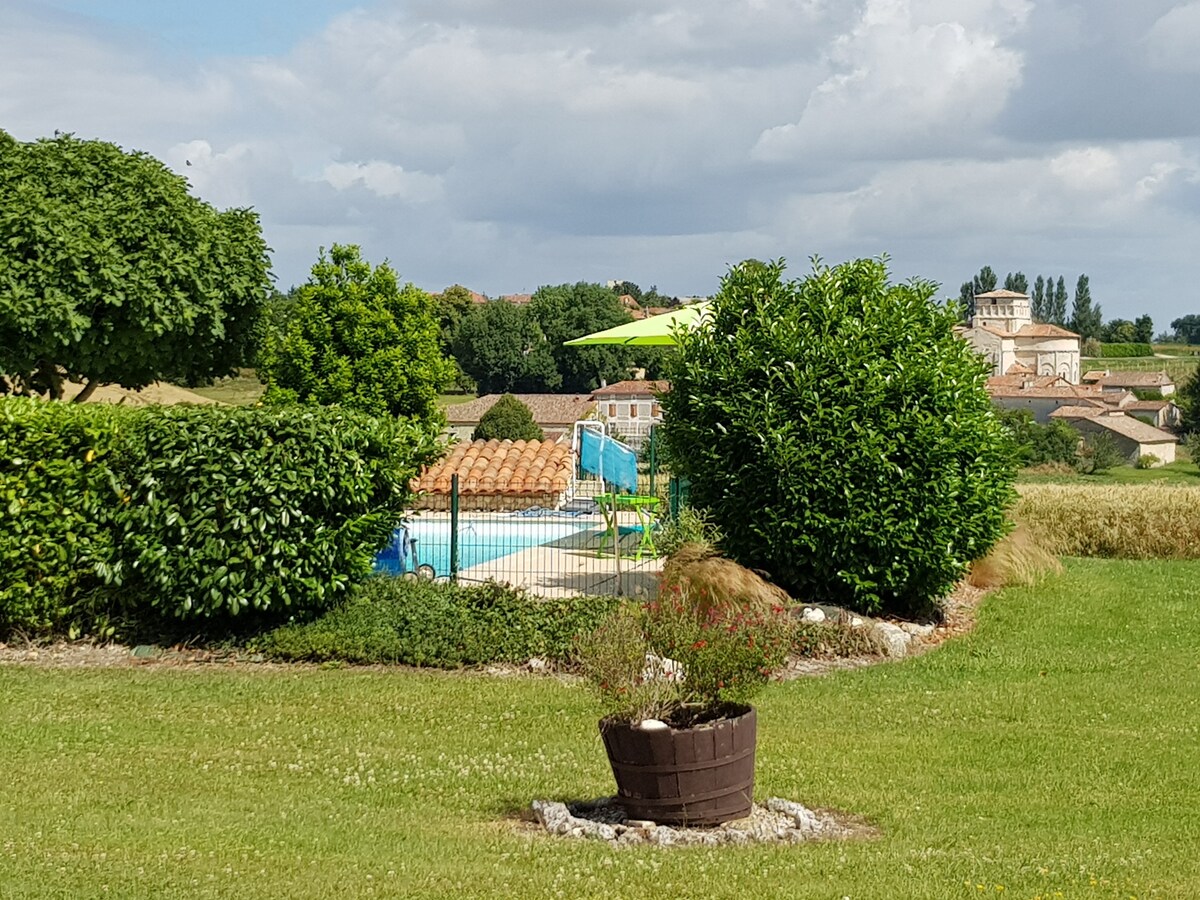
x: 569, y: 311
x: 839, y: 433
x: 356, y: 339
x: 502, y: 347
x: 1187, y: 328
x: 1143, y: 329
x: 111, y: 272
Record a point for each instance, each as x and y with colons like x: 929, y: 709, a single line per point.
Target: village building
x: 555, y: 414
x: 1133, y: 437
x: 1158, y: 383
x: 1003, y: 331
x: 630, y: 408
x: 1043, y: 395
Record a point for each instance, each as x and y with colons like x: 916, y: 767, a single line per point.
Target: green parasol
x: 654, y: 331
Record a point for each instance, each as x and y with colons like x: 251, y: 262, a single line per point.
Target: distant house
x: 1159, y: 413
x: 631, y: 408
x: 1003, y: 331
x: 1159, y: 383
x: 499, y: 476
x: 1133, y: 437
x: 555, y: 414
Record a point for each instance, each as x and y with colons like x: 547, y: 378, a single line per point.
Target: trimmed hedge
x: 57, y: 499
x: 421, y: 623
x: 1125, y: 351
x: 193, y: 515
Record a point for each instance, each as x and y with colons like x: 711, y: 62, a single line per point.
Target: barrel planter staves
x: 698, y: 775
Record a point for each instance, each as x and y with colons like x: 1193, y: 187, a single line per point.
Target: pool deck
x: 568, y: 566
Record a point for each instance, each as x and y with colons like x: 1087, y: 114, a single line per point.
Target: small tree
x: 111, y: 272
x: 356, y: 339
x: 1188, y: 398
x: 508, y: 420
x: 839, y: 433
x: 1143, y: 332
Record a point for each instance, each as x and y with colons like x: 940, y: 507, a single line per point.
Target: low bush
x: 508, y: 420
x: 394, y: 620
x: 1097, y: 454
x: 1120, y: 521
x: 1039, y: 445
x: 1125, y: 351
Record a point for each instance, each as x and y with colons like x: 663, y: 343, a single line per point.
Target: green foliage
x: 113, y: 272
x: 1187, y: 328
x: 690, y: 526
x: 568, y: 311
x: 1187, y: 396
x: 393, y: 620
x: 1097, y: 454
x: 1037, y: 445
x: 501, y: 346
x: 678, y: 652
x: 194, y: 514
x: 508, y: 420
x: 1056, y: 303
x: 1147, y: 461
x: 56, y: 500
x: 840, y: 434
x: 1086, y: 317
x: 356, y: 339
x: 1125, y: 351
x: 1143, y: 329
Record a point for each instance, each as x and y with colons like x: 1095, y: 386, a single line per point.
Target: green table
x: 644, y: 508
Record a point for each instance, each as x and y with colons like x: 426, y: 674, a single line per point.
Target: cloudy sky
x: 505, y: 144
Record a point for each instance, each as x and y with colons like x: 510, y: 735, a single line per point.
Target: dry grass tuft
x: 1018, y: 559
x: 1114, y: 521
x: 715, y: 582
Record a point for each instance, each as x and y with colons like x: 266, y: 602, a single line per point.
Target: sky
x: 507, y: 144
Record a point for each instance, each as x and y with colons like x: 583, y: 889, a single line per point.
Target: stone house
x: 630, y: 408
x: 1046, y: 394
x: 1133, y: 437
x: 1158, y: 383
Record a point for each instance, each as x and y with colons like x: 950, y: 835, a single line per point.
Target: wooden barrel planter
x: 701, y: 775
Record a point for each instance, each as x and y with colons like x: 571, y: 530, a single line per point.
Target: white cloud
x: 903, y: 83
x: 385, y: 179
x: 1173, y: 41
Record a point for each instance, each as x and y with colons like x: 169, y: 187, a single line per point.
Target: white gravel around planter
x: 779, y: 822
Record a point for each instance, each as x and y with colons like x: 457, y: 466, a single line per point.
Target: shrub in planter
x: 839, y: 432
x: 675, y: 677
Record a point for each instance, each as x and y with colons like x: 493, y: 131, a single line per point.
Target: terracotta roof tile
x: 501, y: 468
x: 1136, y: 429
x: 1077, y: 412
x: 1002, y: 294
x: 631, y: 389
x: 548, y: 409
x: 1136, y: 379
x: 1042, y: 330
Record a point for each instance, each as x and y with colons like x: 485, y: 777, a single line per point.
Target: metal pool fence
x: 550, y: 552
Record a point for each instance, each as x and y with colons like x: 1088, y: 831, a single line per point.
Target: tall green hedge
x: 194, y: 514
x: 1125, y: 351
x: 57, y: 500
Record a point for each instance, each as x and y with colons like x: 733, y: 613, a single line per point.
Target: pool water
x: 478, y: 541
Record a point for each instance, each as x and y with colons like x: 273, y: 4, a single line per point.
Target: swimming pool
x: 479, y: 540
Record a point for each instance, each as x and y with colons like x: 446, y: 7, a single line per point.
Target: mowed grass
x: 1184, y: 472
x: 1053, y: 752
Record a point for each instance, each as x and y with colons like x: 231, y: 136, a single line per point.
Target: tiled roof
x: 1019, y: 369
x: 1094, y: 375
x: 1020, y: 381
x: 1042, y: 330
x: 519, y: 299
x: 1077, y: 412
x: 1135, y: 429
x: 1051, y: 392
x: 631, y: 389
x: 1136, y: 379
x: 548, y: 409
x: 1002, y: 294
x: 1148, y: 405
x: 501, y: 468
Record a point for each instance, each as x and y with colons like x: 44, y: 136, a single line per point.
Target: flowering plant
x: 682, y: 659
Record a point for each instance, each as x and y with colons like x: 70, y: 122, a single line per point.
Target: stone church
x: 1003, y: 331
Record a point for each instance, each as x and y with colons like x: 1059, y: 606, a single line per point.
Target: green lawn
x: 243, y: 389
x: 1181, y: 472
x: 1054, y: 753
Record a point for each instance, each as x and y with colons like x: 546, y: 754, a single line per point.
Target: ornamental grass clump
x: 681, y: 660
